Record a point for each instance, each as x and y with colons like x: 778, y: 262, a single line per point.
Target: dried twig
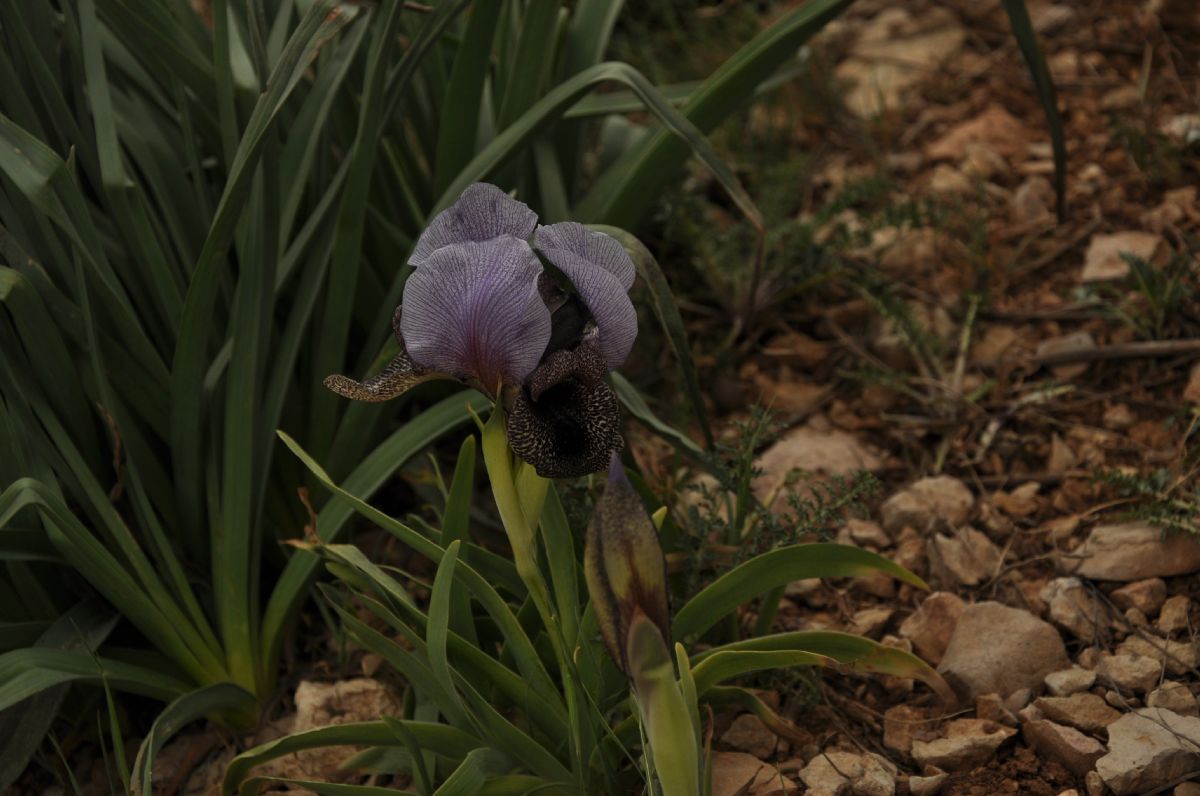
x: 1138, y: 350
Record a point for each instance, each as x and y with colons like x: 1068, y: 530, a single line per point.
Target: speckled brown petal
x: 566, y: 420
x: 400, y: 375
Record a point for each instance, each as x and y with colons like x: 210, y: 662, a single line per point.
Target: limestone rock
x: 1084, y: 711
x: 894, y: 52
x: 967, y: 557
x: 878, y: 778
x: 1073, y: 608
x: 1132, y: 551
x: 871, y: 622
x: 1069, y: 681
x: 1146, y: 595
x: 812, y: 450
x: 835, y: 772
x: 901, y: 725
x: 1173, y: 618
x: 968, y: 743
x: 1129, y: 672
x: 1149, y: 748
x: 740, y: 774
x: 1104, y: 260
x: 991, y: 707
x: 930, y: 500
x: 1072, y: 343
x: 1074, y: 750
x: 1178, y: 656
x: 748, y: 734
x: 926, y: 786
x: 1175, y: 697
x: 995, y: 129
x: 864, y: 532
x: 931, y: 625
x: 1000, y: 649
x: 319, y: 704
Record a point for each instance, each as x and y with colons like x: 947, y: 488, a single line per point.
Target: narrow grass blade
x: 385, y: 89
x: 775, y: 568
x: 557, y: 100
x: 437, y: 629
x: 373, y: 470
x: 323, y: 19
x: 636, y: 405
x: 851, y: 652
x: 624, y: 193
x: 456, y: 527
x: 462, y: 104
x: 82, y: 628
x: 667, y: 312
x: 219, y: 698
x: 1022, y: 28
x: 29, y: 671
x: 564, y: 567
x: 472, y: 774
x: 440, y: 738
x: 728, y: 664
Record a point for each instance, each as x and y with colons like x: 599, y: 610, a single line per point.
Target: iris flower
x: 482, y: 309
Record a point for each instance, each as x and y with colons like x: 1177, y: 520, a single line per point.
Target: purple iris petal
x: 602, y: 272
x: 482, y: 212
x: 473, y: 310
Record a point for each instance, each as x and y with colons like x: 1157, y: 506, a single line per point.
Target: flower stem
x: 519, y: 498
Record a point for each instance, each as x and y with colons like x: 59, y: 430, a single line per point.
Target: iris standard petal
x: 566, y: 421
x: 602, y: 275
x: 474, y: 311
x: 595, y: 247
x: 482, y: 212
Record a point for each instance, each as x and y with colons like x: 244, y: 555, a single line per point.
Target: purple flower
x: 481, y: 309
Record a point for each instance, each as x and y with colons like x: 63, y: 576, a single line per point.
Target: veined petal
x: 474, y: 311
x: 602, y: 272
x: 595, y: 247
x: 483, y: 212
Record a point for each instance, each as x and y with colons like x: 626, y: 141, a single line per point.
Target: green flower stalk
x: 627, y: 580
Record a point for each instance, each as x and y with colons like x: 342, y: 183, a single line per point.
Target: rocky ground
x: 1030, y: 466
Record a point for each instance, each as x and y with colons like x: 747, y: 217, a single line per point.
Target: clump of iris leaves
x: 205, y: 213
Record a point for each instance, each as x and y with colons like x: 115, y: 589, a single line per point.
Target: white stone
x: 1132, y: 551
x: 1073, y: 608
x: 999, y: 649
x: 1070, y: 681
x: 968, y: 743
x: 1176, y: 697
x: 930, y: 500
x: 1148, y: 749
x: 967, y: 557
x: 1104, y: 262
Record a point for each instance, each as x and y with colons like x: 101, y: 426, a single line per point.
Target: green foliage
x: 1160, y: 497
x: 512, y: 692
x: 1159, y: 293
x: 1157, y: 157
